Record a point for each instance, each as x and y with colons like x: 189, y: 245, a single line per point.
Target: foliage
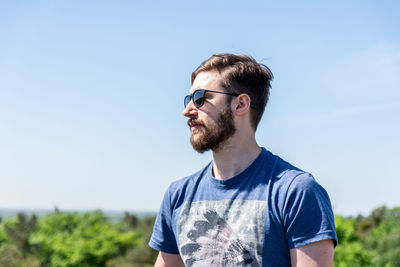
x: 11, y: 256
x: 365, y: 225
x: 70, y: 239
x: 3, y: 236
x: 131, y: 220
x: 385, y: 239
x: 15, y: 248
x: 91, y: 239
x: 18, y: 232
x: 141, y: 255
x: 350, y: 251
x: 369, y: 241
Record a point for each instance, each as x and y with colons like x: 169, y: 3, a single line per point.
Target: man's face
x: 211, y: 124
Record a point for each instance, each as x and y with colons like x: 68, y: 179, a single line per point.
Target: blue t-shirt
x: 252, y: 219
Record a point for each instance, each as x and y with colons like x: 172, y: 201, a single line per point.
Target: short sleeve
x: 307, y: 213
x: 163, y: 238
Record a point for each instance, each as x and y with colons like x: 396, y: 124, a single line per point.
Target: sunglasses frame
x: 203, y: 97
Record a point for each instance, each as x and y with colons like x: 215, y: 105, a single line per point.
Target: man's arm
x: 168, y: 260
x: 318, y: 254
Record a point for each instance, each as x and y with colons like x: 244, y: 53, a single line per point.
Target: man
x: 247, y: 207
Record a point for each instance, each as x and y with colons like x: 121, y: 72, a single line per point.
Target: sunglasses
x: 199, y: 96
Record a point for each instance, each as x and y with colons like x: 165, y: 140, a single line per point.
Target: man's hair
x: 241, y: 74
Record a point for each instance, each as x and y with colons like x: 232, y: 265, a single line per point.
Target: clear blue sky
x: 91, y: 95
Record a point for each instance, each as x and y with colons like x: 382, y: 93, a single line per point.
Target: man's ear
x: 241, y: 104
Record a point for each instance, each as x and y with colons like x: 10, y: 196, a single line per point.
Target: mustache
x: 194, y: 121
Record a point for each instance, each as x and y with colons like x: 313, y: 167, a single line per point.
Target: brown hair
x: 242, y: 74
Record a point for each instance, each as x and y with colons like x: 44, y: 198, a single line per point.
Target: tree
x: 15, y: 247
x: 385, y: 239
x: 350, y: 250
x: 365, y: 225
x: 141, y: 255
x: 72, y: 239
x: 130, y: 220
x: 18, y: 232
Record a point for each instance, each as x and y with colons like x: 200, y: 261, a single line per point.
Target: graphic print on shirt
x: 222, y: 233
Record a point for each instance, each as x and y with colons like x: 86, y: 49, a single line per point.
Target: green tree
x: 15, y: 248
x: 385, y: 239
x: 72, y: 239
x: 3, y: 235
x: 365, y: 225
x: 350, y: 250
x: 141, y: 255
x: 131, y: 220
x: 11, y: 256
x: 18, y: 232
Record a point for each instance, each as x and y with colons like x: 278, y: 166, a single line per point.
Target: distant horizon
x: 12, y: 213
x: 2, y: 208
x: 141, y: 212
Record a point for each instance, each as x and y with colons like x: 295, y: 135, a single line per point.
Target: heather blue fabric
x: 297, y: 211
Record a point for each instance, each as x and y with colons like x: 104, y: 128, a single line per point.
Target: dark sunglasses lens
x: 186, y: 100
x: 198, y: 98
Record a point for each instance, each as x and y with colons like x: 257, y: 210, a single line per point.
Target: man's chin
x: 197, y: 144
x: 196, y: 135
x: 199, y: 148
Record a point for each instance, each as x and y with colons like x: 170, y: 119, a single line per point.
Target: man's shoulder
x: 291, y: 182
x: 283, y: 168
x: 189, y: 181
x: 285, y: 173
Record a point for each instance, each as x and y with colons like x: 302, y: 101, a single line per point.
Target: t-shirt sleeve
x: 163, y: 238
x: 307, y: 213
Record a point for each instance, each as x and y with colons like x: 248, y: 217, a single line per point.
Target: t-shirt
x: 252, y: 219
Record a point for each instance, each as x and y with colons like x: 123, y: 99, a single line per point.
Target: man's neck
x: 234, y: 157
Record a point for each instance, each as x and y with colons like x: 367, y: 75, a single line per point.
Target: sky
x: 91, y: 96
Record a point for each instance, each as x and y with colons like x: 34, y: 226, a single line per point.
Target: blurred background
x: 91, y: 96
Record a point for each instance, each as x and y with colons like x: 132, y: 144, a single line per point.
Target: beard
x: 213, y: 136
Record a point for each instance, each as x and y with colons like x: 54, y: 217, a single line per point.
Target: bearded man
x: 247, y: 207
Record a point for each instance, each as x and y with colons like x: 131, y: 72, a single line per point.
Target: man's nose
x: 190, y: 110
